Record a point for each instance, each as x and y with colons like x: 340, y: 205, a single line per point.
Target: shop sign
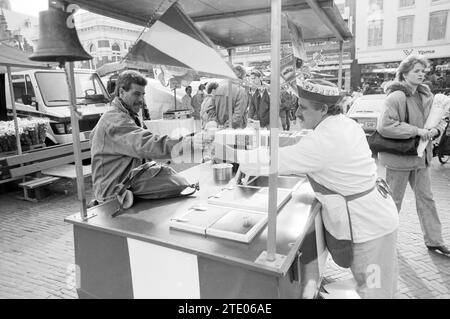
x: 400, y: 54
x: 408, y: 52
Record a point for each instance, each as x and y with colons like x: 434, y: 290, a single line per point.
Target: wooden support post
x: 275, y: 39
x: 13, y: 105
x: 341, y: 53
x: 76, y: 139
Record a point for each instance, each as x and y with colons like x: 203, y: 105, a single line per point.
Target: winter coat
x: 196, y: 103
x: 392, y: 123
x: 239, y: 102
x: 208, y: 110
x: 287, y: 103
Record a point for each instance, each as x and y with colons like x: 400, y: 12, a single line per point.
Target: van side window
x: 29, y: 86
x: 23, y: 88
x: 18, y: 87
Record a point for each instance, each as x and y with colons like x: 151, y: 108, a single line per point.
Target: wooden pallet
x: 32, y: 189
x: 54, y: 160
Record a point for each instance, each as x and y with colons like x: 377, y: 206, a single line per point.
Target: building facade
x: 389, y: 30
x: 106, y: 39
x: 17, y: 29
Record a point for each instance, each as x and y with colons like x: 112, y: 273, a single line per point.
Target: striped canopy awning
x: 16, y: 58
x: 174, y: 40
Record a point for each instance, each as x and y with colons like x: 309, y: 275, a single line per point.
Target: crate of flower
x: 31, y: 130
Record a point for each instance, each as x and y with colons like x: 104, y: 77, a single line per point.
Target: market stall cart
x: 138, y: 255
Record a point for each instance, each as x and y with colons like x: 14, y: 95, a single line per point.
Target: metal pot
x: 223, y: 171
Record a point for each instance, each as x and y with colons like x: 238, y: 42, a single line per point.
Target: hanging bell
x: 58, y: 41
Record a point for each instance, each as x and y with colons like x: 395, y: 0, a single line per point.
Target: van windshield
x: 88, y: 87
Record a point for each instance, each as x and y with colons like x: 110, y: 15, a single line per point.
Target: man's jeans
x: 420, y: 182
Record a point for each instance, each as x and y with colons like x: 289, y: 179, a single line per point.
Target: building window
x: 125, y: 45
x: 375, y: 35
x: 103, y: 43
x: 115, y: 47
x: 406, y: 3
x: 438, y: 24
x: 405, y: 26
x: 92, y: 48
x: 376, y: 5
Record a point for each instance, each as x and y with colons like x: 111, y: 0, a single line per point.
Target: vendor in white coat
x: 337, y: 159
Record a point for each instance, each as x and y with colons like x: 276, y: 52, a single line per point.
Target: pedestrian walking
x: 408, y: 95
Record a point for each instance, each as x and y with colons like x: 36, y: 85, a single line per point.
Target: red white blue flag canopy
x: 174, y: 40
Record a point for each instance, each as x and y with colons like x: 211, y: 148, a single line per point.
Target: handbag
x: 379, y: 143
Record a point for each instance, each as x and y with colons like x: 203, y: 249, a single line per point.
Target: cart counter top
x: 149, y: 221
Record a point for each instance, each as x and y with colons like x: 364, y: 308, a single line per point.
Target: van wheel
x: 49, y: 142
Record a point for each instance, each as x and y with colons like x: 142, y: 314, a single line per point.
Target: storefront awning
x: 443, y: 67
x: 387, y: 70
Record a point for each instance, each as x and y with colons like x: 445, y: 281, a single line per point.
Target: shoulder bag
x: 379, y: 143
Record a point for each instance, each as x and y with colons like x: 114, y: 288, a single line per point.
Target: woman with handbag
x: 359, y: 215
x: 406, y: 110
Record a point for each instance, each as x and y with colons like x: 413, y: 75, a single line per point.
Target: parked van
x: 44, y: 93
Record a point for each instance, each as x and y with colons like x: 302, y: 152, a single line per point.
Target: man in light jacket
x: 239, y: 102
x: 120, y: 143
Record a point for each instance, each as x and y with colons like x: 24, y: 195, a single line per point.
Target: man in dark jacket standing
x: 259, y: 108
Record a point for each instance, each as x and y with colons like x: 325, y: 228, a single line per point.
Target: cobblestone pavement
x: 37, y: 256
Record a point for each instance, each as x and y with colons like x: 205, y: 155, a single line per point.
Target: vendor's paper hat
x: 319, y: 90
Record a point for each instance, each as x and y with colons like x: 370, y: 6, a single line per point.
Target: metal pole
x: 341, y: 53
x: 175, y: 97
x: 275, y: 39
x: 230, y: 92
x: 13, y: 105
x: 76, y: 138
